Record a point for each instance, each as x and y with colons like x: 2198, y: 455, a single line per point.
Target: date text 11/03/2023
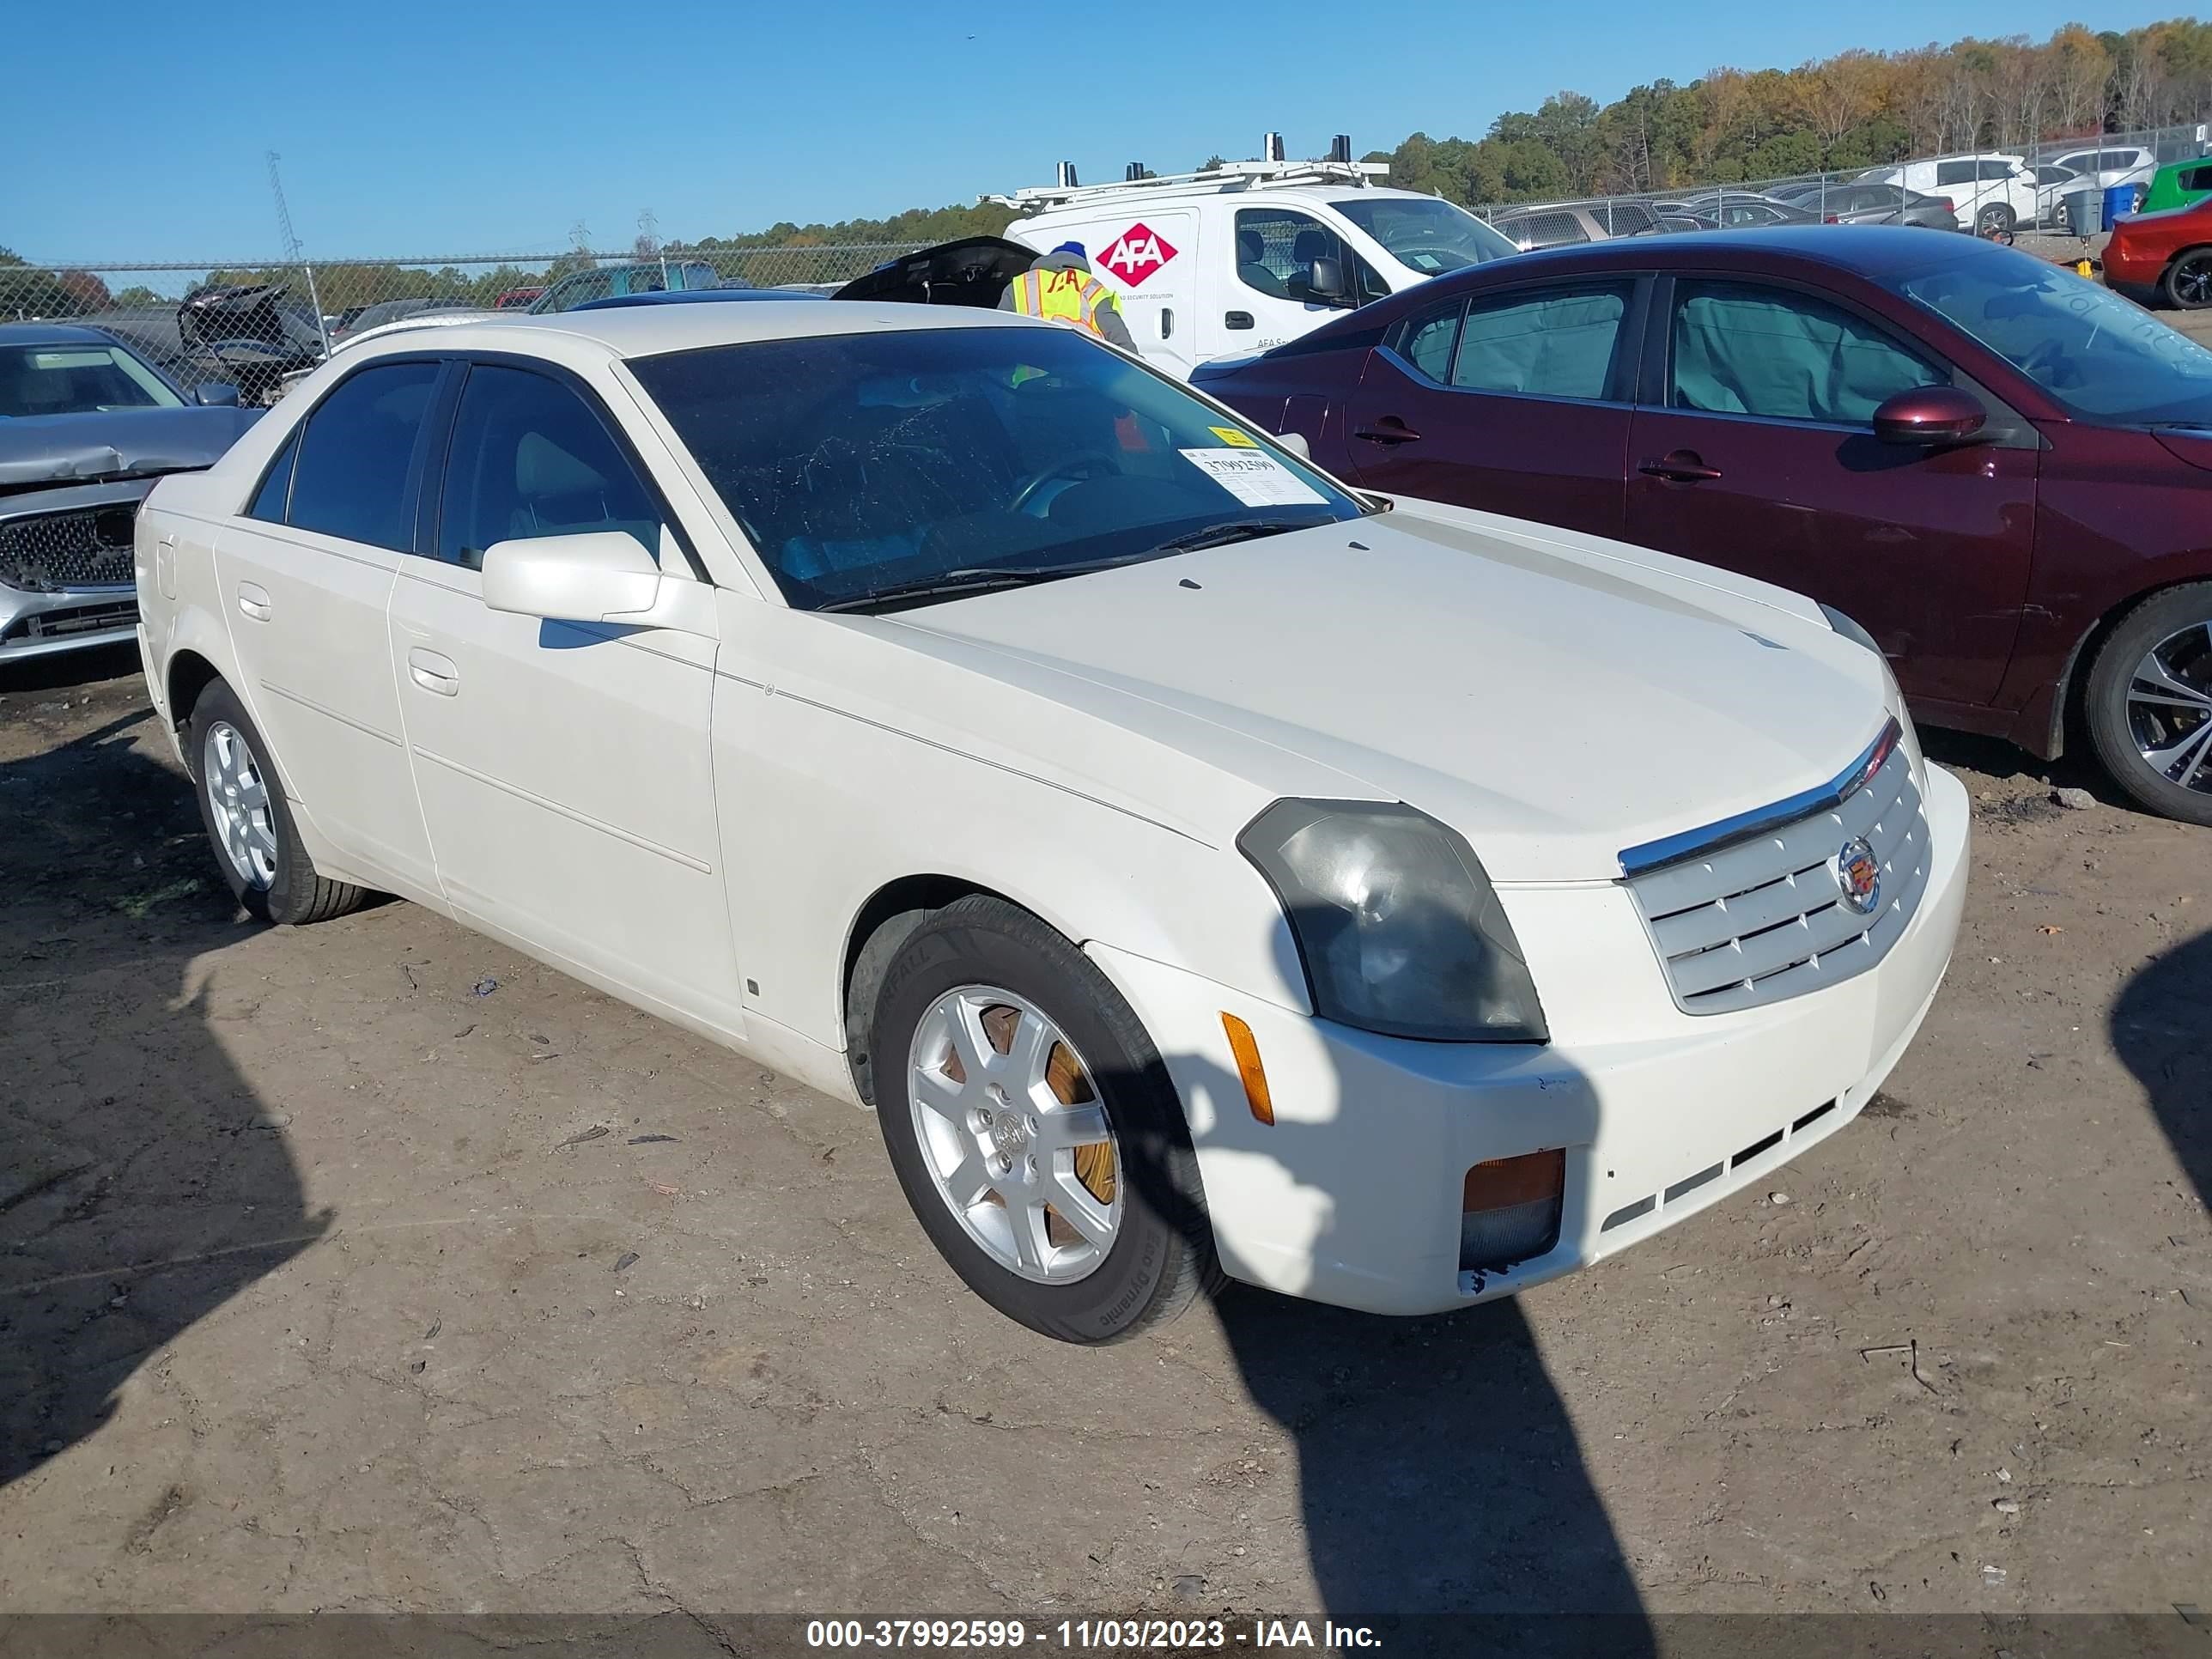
x: 1090, y: 1635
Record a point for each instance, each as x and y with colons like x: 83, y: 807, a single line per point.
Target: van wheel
x: 2148, y: 703
x: 1034, y: 1129
x: 2188, y: 281
x: 248, y: 821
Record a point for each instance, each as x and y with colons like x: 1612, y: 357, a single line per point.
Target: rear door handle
x: 432, y: 672
x: 1389, y: 430
x: 253, y: 600
x: 1680, y: 467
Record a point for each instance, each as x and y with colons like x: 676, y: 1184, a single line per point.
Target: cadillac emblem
x: 1858, y: 873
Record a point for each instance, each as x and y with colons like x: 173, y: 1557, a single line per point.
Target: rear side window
x: 276, y: 488
x: 530, y: 458
x: 1743, y: 349
x: 1556, y: 343
x: 1995, y: 170
x: 2196, y: 178
x: 1428, y: 343
x: 350, y: 477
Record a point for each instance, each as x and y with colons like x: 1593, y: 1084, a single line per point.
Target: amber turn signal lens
x: 1504, y: 1181
x: 1249, y: 1071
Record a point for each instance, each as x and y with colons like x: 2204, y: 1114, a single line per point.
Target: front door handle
x: 253, y: 600
x: 1237, y: 319
x: 1680, y: 467
x: 432, y: 672
x: 1388, y: 430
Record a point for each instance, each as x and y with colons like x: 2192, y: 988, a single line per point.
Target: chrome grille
x: 1752, y: 917
x: 80, y: 547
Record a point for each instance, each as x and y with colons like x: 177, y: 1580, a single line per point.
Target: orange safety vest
x: 1062, y: 296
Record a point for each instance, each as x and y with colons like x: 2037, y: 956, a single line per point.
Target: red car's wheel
x: 2188, y: 281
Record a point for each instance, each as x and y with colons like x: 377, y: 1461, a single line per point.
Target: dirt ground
x: 368, y: 1266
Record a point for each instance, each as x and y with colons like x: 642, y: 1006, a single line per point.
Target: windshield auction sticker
x: 1255, y: 478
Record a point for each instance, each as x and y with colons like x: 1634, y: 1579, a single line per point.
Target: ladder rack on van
x: 1229, y: 176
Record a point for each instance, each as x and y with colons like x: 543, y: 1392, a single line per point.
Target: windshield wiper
x: 984, y: 579
x: 1232, y: 530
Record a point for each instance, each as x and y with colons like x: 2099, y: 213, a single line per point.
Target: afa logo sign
x: 1137, y: 253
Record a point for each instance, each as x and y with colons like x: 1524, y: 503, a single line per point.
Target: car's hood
x: 123, y: 443
x: 1556, y: 696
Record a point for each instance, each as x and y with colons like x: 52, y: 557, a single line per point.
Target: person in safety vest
x: 1059, y: 286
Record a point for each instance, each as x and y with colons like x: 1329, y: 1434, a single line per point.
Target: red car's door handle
x: 1680, y: 467
x: 1388, y: 430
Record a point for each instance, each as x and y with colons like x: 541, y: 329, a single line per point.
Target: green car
x: 2179, y: 182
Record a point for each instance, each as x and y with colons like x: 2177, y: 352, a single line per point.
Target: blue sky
x: 410, y: 128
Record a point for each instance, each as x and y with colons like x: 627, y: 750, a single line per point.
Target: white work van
x: 1246, y: 256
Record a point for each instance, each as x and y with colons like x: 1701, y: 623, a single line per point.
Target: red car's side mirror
x: 1930, y: 414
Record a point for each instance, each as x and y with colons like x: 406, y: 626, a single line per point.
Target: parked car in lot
x: 2164, y: 256
x: 515, y: 298
x: 2000, y: 469
x: 1840, y: 204
x: 1563, y: 224
x: 1738, y: 210
x: 971, y: 721
x: 394, y: 310
x: 2109, y: 165
x: 1994, y: 194
x: 2179, y: 184
x: 87, y: 425
x: 644, y: 277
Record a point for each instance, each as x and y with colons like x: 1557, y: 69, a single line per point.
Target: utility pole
x: 291, y: 242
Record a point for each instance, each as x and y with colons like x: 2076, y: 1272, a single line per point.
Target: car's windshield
x: 1423, y: 234
x: 77, y: 380
x: 2100, y: 354
x: 872, y: 463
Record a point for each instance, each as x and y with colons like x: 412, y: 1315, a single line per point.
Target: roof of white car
x: 649, y: 331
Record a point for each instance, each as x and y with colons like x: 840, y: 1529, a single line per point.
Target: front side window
x: 1276, y: 249
x: 1425, y: 234
x: 1556, y: 343
x: 350, y: 477
x: 530, y: 458
x: 1996, y: 172
x: 1954, y: 173
x: 1744, y: 350
x: 2093, y: 351
x: 77, y: 380
x: 870, y: 470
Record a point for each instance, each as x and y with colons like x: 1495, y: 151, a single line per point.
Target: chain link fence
x: 248, y: 323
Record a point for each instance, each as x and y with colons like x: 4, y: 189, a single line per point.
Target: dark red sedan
x: 2001, y: 470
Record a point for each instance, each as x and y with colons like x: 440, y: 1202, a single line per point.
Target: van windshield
x: 1423, y: 234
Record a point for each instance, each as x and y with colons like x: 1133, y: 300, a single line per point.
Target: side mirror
x: 601, y: 576
x: 1296, y: 444
x: 1930, y: 414
x: 1325, y: 283
x: 215, y: 395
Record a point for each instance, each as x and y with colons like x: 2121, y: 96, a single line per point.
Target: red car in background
x: 2167, y: 254
x: 2001, y: 471
x: 516, y: 298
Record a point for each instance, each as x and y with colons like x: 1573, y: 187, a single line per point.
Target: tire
x: 260, y: 855
x: 2187, y: 284
x: 2177, y: 625
x: 1995, y: 221
x: 962, y: 972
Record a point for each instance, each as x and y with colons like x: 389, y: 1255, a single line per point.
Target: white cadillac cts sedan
x: 1199, y: 867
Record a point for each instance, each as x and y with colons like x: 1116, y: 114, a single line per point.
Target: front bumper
x: 1353, y: 1194
x: 73, y: 619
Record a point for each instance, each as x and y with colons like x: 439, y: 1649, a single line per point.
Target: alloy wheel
x: 2192, y: 280
x: 238, y: 804
x: 2170, y: 705
x: 1014, y: 1135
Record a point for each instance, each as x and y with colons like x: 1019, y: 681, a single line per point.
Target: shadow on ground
x: 142, y: 1184
x: 2162, y: 1031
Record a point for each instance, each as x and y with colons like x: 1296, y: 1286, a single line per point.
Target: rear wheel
x: 1034, y: 1129
x: 2188, y: 280
x: 1996, y: 221
x: 249, y: 822
x: 2148, y: 703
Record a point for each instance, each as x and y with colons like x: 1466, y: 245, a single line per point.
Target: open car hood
x: 123, y: 443
x: 972, y: 272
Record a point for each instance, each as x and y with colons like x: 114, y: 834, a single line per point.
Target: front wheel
x: 2188, y: 280
x: 1033, y: 1128
x: 2148, y: 703
x: 249, y: 822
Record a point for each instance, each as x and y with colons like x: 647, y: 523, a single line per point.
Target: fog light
x: 1510, y: 1210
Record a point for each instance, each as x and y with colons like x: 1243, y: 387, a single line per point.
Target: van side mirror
x: 603, y: 575
x: 1325, y: 283
x: 1927, y: 415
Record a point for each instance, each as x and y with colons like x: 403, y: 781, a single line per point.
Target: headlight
x: 1396, y: 923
